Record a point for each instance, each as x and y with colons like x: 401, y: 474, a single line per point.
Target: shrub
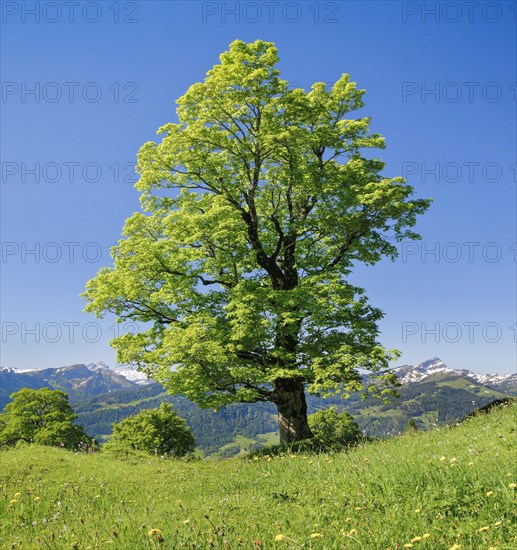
x: 153, y: 431
x: 332, y: 428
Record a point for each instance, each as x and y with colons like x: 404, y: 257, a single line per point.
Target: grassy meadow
x: 452, y: 488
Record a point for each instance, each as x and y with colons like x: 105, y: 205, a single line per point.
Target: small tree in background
x: 333, y: 428
x: 43, y: 417
x: 154, y: 431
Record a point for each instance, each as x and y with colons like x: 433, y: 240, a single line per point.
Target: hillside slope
x: 443, y: 489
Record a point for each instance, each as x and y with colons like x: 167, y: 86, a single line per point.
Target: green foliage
x: 43, y: 417
x: 256, y: 206
x: 448, y: 487
x: 154, y: 431
x: 333, y: 428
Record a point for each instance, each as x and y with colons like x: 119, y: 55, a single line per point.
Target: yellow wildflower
x: 455, y: 547
x: 36, y: 499
x: 490, y: 493
x: 348, y: 520
x: 14, y: 501
x: 470, y: 464
x: 359, y: 508
x: 498, y: 523
x: 416, y: 539
x: 316, y: 536
x: 417, y: 511
x: 426, y: 535
x: 513, y: 485
x: 442, y: 459
x: 485, y: 528
x: 453, y: 459
x: 185, y: 521
x: 16, y: 495
x: 408, y: 545
x: 279, y: 538
x: 154, y: 532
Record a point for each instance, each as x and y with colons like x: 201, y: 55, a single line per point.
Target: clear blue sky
x: 440, y: 87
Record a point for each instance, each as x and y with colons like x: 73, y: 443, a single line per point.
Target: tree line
x: 45, y: 417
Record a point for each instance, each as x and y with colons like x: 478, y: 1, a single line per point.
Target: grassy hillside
x: 448, y: 488
x: 438, y: 400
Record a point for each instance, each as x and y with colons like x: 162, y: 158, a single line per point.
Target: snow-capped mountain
x: 98, y: 367
x: 86, y: 381
x: 409, y: 374
x: 129, y: 374
x: 79, y: 381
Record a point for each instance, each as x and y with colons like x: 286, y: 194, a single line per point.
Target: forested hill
x: 212, y: 430
x: 431, y: 394
x: 439, y: 399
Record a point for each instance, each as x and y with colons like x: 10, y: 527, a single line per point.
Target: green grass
x: 454, y: 486
x: 241, y: 445
x: 238, y: 445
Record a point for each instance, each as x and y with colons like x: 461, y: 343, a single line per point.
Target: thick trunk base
x: 292, y: 411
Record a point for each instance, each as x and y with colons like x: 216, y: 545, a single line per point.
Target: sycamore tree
x: 256, y: 206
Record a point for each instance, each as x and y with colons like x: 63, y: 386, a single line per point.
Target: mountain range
x: 431, y: 394
x: 409, y: 374
x: 84, y: 381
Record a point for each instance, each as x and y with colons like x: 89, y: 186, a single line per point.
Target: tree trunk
x: 289, y: 398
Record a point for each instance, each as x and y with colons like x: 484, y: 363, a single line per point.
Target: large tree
x: 257, y: 204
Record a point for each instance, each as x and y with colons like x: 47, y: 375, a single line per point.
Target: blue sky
x: 82, y: 91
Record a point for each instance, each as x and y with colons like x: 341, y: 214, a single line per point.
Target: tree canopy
x: 154, y: 431
x: 256, y: 206
x: 41, y: 416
